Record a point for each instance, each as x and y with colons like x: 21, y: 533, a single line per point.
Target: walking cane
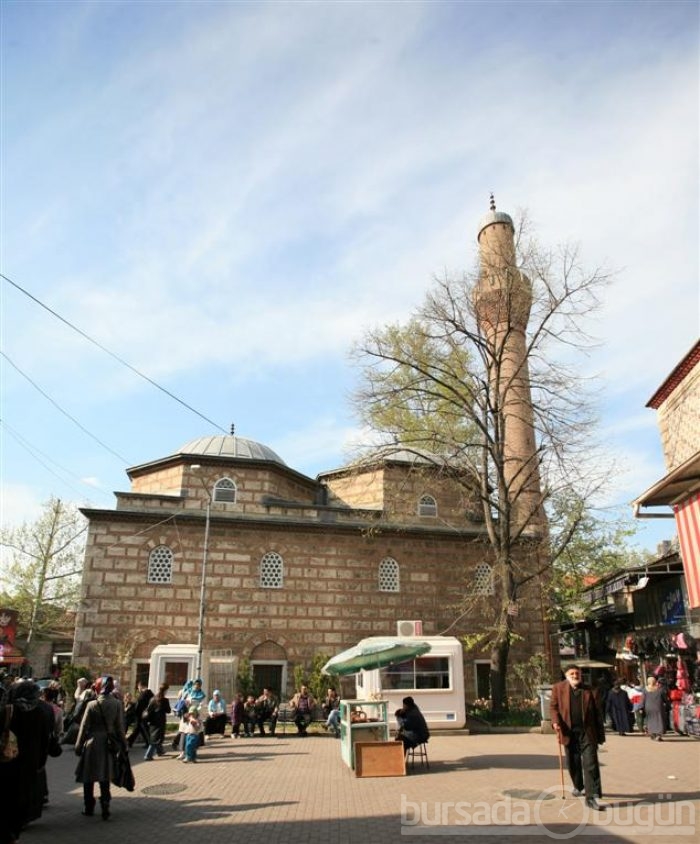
x: 561, y: 768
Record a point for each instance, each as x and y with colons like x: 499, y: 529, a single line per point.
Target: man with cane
x: 579, y: 726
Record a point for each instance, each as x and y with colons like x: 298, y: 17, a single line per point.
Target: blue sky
x: 228, y: 194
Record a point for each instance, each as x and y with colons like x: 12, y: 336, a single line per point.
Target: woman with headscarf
x: 619, y: 709
x: 216, y: 715
x: 23, y: 780
x: 103, y: 716
x: 655, y: 706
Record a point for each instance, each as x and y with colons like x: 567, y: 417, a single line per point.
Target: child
x: 237, y: 716
x: 250, y: 716
x: 193, y: 728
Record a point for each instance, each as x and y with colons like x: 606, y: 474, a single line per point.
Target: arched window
x: 225, y: 491
x: 427, y: 506
x: 389, y: 575
x: 160, y: 565
x: 483, y: 580
x: 272, y: 571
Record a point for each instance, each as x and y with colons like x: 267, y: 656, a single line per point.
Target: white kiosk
x: 435, y: 681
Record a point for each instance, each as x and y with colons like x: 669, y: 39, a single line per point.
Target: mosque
x: 221, y: 552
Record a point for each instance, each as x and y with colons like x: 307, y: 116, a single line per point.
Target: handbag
x: 123, y: 776
x: 9, y: 749
x: 55, y: 748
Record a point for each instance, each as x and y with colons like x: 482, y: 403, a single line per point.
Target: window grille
x: 427, y: 506
x: 225, y: 491
x: 272, y: 571
x: 389, y: 576
x: 483, y: 580
x: 160, y: 565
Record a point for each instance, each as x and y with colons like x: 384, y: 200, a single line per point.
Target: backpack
x: 8, y: 740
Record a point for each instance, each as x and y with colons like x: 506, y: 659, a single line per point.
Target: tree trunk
x: 499, y: 667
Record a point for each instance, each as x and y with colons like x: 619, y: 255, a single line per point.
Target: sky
x: 227, y: 196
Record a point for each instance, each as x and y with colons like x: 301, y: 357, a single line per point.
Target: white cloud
x: 233, y: 192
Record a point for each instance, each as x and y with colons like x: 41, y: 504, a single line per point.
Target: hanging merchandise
x: 660, y: 669
x: 682, y: 679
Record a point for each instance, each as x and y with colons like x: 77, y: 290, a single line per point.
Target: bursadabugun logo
x: 548, y: 815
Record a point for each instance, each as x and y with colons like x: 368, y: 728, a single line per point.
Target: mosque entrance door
x: 269, y: 675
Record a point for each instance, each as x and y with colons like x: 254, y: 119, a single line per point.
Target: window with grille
x: 272, y: 571
x: 160, y: 565
x: 389, y: 575
x: 225, y: 491
x: 427, y: 506
x: 483, y: 580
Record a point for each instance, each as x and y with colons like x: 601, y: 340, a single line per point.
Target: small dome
x: 227, y: 445
x: 494, y: 217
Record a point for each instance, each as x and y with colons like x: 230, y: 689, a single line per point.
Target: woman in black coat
x: 156, y: 716
x: 21, y: 785
x: 618, y: 708
x: 413, y: 729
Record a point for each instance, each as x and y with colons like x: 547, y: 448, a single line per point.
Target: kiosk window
x: 425, y: 672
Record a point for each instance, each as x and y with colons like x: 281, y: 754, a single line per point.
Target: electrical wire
x: 110, y: 353
x: 61, y: 410
x: 33, y: 451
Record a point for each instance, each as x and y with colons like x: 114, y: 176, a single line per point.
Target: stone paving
x: 298, y: 791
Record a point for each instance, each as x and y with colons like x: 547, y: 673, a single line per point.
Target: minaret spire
x: 502, y: 300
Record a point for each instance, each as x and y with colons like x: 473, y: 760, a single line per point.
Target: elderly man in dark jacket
x: 579, y: 726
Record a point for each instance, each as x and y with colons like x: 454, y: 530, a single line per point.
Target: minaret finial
x: 492, y: 203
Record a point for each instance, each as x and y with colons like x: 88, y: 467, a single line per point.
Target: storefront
x: 639, y: 623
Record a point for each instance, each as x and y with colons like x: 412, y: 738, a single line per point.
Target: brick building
x: 297, y: 567
x: 677, y: 494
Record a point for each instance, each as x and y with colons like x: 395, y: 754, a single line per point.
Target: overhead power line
x: 34, y: 452
x: 110, y: 353
x: 64, y: 412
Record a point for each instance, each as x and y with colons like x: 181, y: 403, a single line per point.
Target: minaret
x: 502, y: 300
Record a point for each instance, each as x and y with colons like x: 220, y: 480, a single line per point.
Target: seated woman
x: 413, y: 729
x: 216, y: 719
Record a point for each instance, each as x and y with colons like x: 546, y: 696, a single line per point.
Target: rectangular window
x: 176, y: 673
x: 141, y: 671
x: 425, y: 672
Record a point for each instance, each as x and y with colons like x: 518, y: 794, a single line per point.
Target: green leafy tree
x: 599, y: 545
x: 42, y: 567
x: 443, y: 386
x: 318, y: 681
x: 244, y: 678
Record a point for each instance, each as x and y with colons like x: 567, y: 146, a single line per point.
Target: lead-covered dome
x: 229, y: 445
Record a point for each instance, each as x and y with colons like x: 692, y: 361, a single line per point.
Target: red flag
x: 688, y: 525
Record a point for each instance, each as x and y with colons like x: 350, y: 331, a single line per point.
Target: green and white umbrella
x: 377, y: 654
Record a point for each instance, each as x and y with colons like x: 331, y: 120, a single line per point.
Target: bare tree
x: 42, y: 567
x: 485, y: 377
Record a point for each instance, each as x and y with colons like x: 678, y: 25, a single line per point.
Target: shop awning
x: 673, y: 487
x: 585, y: 663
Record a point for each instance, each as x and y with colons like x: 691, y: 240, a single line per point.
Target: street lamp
x: 203, y: 585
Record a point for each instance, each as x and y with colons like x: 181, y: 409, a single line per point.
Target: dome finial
x: 233, y: 430
x: 492, y: 203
